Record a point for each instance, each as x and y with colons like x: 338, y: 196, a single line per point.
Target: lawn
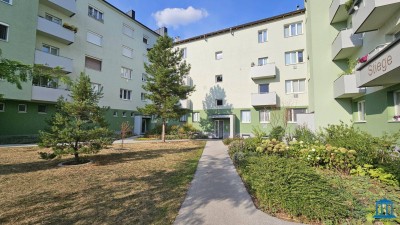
x: 143, y: 184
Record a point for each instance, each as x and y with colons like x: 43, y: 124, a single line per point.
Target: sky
x: 189, y: 18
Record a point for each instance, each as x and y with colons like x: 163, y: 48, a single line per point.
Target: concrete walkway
x: 217, y: 194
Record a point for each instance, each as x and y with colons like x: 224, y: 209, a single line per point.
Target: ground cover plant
x: 143, y: 184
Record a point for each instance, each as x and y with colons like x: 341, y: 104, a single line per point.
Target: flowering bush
x: 273, y: 147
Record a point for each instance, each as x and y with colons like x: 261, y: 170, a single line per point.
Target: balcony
x: 346, y: 44
x: 346, y: 87
x: 56, y: 31
x: 46, y: 94
x: 263, y: 99
x: 185, y: 104
x: 264, y: 71
x: 370, y: 15
x: 53, y: 61
x: 382, y: 67
x: 337, y: 11
x: 66, y: 7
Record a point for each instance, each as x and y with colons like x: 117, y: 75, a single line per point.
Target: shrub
x: 376, y: 173
x: 277, y: 133
x: 289, y: 185
x: 259, y: 134
x: 235, y: 146
x: 228, y: 141
x: 250, y: 144
x: 302, y: 133
x: 273, y: 147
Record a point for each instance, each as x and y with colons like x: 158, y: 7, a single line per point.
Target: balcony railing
x: 46, y: 94
x: 345, y: 44
x: 55, y: 31
x: 264, y: 99
x: 53, y: 61
x: 337, y: 11
x: 67, y: 7
x: 346, y: 87
x: 185, y: 104
x: 263, y: 71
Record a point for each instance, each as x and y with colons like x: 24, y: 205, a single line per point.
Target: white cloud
x: 176, y: 17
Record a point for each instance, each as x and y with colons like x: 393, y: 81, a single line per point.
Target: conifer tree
x: 78, y: 126
x: 165, y: 86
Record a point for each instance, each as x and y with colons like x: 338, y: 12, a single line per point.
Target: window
x: 22, y: 108
x: 124, y: 114
x: 196, y: 117
x: 94, y: 38
x: 219, y: 102
x: 397, y: 35
x: 42, y: 109
x: 3, y: 32
x: 7, y: 1
x: 53, y: 19
x: 125, y: 94
x: 295, y: 86
x: 218, y: 55
x: 96, y: 14
x: 115, y: 114
x: 144, y: 77
x: 126, y: 73
x: 263, y: 88
x: 262, y: 61
x: 293, y: 29
x: 397, y: 103
x: 128, y: 31
x: 132, y: 114
x: 2, y: 107
x: 128, y: 52
x: 145, y: 40
x: 264, y: 116
x: 183, y: 118
x: 143, y: 96
x: 45, y: 82
x: 294, y: 57
x: 96, y: 87
x: 292, y: 114
x: 50, y: 49
x: 262, y: 36
x: 361, y: 110
x: 218, y: 78
x: 184, y: 51
x: 246, y: 116
x: 92, y: 63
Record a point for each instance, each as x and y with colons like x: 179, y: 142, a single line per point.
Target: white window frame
x: 129, y: 49
x: 125, y: 94
x: 196, y: 117
x: 245, y: 116
x: 183, y: 118
x: 97, y: 59
x: 291, y: 116
x: 144, y: 77
x: 259, y: 88
x: 265, y: 116
x: 95, y: 87
x: 289, y: 28
x: 219, y: 55
x: 98, y: 15
x: 95, y: 35
x: 217, y: 78
x: 262, y: 61
x: 3, y: 108
x: 296, y: 57
x: 292, y: 84
x: 126, y: 73
x: 7, y: 30
x: 143, y: 97
x: 184, y: 55
x: 45, y: 109
x: 361, y: 115
x: 132, y: 114
x: 123, y: 114
x: 147, y: 40
x: 53, y: 19
x: 115, y: 114
x: 10, y: 2
x: 50, y: 49
x: 396, y: 106
x: 26, y: 108
x: 131, y: 32
x: 263, y: 36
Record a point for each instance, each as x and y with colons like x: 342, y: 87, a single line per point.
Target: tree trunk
x: 163, y: 131
x: 76, y: 154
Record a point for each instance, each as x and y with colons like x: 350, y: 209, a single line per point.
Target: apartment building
x: 90, y: 36
x: 243, y: 72
x: 354, y: 63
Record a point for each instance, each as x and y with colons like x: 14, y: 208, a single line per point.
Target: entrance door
x: 219, y: 129
x: 144, y: 126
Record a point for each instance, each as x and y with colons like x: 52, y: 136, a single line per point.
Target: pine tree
x: 78, y: 126
x: 165, y: 86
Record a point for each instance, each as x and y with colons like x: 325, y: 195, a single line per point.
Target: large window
x: 219, y: 55
x: 196, y: 117
x: 262, y: 61
x: 3, y: 32
x: 397, y: 103
x: 125, y: 94
x: 92, y: 63
x: 294, y: 57
x: 126, y: 73
x: 292, y: 114
x: 95, y: 13
x: 293, y: 29
x: 264, y: 116
x: 295, y: 86
x: 245, y: 116
x: 128, y: 52
x: 94, y: 38
x: 128, y: 31
x: 263, y: 88
x: 361, y: 110
x: 43, y: 81
x: 50, y: 49
x: 53, y: 19
x: 262, y: 36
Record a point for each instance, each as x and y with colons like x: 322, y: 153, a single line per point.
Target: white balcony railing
x: 55, y: 31
x: 263, y: 71
x: 345, y: 44
x: 264, y: 99
x: 337, y: 11
x: 53, y: 61
x: 46, y: 94
x: 346, y: 87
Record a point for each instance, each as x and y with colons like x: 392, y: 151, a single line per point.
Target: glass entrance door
x: 219, y: 129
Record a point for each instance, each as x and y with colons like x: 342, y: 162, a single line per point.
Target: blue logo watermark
x: 384, y: 209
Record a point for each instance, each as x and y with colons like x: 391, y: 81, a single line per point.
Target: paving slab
x: 218, y: 196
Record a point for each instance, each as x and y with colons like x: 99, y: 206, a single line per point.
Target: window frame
x: 143, y: 97
x: 95, y: 34
x: 297, y: 57
x: 7, y: 31
x: 261, y: 37
x: 123, y: 93
x: 361, y: 112
x: 132, y: 114
x: 292, y: 86
x: 50, y: 48
x: 3, y: 108
x: 45, y: 109
x: 97, y: 59
x: 115, y: 114
x: 127, y: 48
x: 264, y: 111
x: 52, y: 19
x: 395, y: 100
x: 289, y: 26
x: 195, y: 117
x: 144, y: 77
x: 123, y: 73
x: 219, y: 53
x: 219, y: 78
x: 9, y: 3
x: 26, y: 108
x: 184, y: 54
x: 242, y: 117
x: 129, y: 28
x: 96, y: 87
x: 183, y: 118
x: 263, y: 60
x: 99, y: 12
x: 217, y: 100
x: 292, y: 117
x: 147, y: 40
x: 259, y: 88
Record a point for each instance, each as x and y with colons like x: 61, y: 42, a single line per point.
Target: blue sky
x: 188, y: 18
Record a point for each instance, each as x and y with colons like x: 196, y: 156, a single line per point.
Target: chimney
x: 298, y: 7
x: 163, y: 31
x: 131, y: 14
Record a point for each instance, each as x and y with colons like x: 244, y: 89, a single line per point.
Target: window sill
x: 293, y: 93
x: 360, y: 121
x: 265, y: 122
x: 394, y: 121
x: 292, y: 122
x: 294, y: 64
x: 4, y: 40
x: 246, y: 122
x: 22, y: 112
